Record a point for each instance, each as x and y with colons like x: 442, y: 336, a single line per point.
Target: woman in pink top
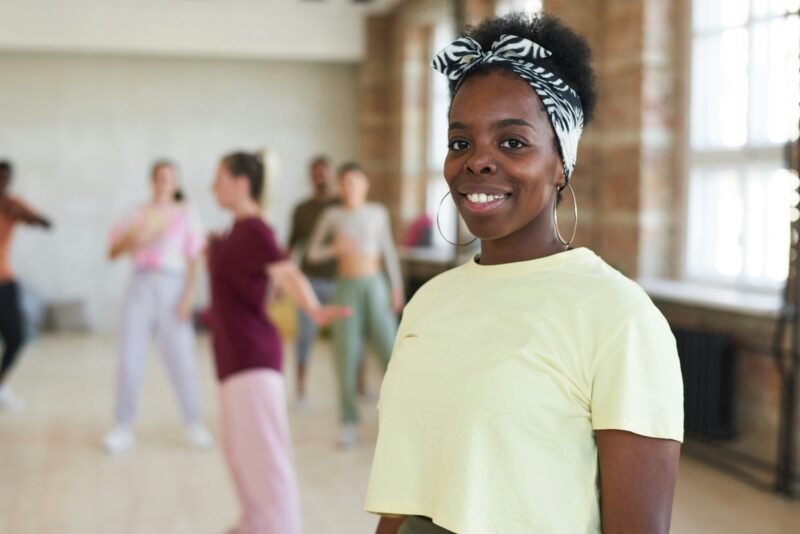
x: 165, y: 240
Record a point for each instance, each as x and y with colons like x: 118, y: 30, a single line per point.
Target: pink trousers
x: 257, y: 445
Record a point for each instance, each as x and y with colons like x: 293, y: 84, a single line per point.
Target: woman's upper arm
x: 389, y: 525
x: 637, y: 481
x: 279, y: 269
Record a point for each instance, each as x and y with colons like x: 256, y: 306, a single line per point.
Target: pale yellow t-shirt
x: 500, y: 375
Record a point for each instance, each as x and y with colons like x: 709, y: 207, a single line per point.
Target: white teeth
x: 482, y: 198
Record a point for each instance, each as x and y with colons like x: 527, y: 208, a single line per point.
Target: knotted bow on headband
x: 519, y: 54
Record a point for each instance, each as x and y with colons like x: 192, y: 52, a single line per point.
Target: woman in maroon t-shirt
x: 248, y: 351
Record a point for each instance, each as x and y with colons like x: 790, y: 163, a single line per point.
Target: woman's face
x: 165, y: 182
x: 229, y: 190
x: 502, y: 165
x: 353, y: 188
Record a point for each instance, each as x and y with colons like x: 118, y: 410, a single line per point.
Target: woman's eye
x: 512, y: 143
x: 457, y: 144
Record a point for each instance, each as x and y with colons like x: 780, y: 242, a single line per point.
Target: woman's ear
x: 559, y: 180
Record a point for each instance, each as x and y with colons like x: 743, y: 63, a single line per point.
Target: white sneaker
x: 119, y: 440
x: 348, y: 437
x: 199, y: 437
x: 10, y: 401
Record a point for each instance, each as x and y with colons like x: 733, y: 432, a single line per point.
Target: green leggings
x: 372, y: 318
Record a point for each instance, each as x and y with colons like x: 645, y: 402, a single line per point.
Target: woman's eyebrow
x: 513, y: 122
x: 499, y: 124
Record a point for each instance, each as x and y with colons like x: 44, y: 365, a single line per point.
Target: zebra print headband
x: 561, y: 102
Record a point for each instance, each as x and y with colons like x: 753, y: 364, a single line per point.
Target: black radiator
x: 708, y: 366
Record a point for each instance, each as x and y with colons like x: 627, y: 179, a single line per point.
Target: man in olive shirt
x: 321, y: 275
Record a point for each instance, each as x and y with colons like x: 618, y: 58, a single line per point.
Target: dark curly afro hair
x: 571, y: 59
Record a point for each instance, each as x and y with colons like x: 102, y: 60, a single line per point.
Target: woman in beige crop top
x: 358, y: 235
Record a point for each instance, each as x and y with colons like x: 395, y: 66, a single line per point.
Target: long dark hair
x: 179, y: 196
x: 247, y: 165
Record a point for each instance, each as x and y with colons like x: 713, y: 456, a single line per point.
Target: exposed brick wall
x: 379, y: 109
x: 625, y: 170
x: 629, y: 176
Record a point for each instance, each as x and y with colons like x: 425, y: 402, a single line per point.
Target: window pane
x: 739, y: 222
x: 437, y: 143
x: 439, y: 103
x: 719, y: 90
x: 727, y: 224
x: 767, y: 226
x: 716, y: 14
x: 775, y: 81
x: 715, y: 221
x: 762, y: 8
x: 780, y: 185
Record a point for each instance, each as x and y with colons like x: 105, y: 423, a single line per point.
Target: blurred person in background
x: 358, y: 235
x: 12, y: 328
x: 165, y: 240
x: 320, y: 275
x: 248, y: 350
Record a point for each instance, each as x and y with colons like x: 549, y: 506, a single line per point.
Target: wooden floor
x: 56, y: 479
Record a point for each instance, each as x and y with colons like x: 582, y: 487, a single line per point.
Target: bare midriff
x: 6, y: 233
x: 359, y: 265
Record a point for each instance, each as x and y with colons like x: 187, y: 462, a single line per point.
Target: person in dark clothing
x: 12, y: 212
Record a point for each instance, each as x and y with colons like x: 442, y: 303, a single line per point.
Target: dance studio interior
x: 214, y: 215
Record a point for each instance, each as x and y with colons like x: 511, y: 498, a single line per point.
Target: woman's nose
x: 481, y: 162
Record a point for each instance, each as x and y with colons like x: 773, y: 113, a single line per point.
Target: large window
x: 442, y: 36
x: 745, y: 102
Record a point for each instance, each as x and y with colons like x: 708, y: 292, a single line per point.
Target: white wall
x: 286, y: 29
x: 83, y: 130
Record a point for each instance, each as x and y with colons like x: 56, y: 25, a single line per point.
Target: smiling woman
x: 523, y: 377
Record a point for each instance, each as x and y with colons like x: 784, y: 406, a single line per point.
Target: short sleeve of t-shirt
x: 265, y: 247
x: 637, y: 384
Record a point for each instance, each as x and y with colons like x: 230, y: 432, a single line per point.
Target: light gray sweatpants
x: 150, y: 307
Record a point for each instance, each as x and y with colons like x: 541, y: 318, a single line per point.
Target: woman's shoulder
x: 614, y: 295
x: 433, y: 290
x: 184, y: 210
x: 377, y: 208
x: 258, y: 225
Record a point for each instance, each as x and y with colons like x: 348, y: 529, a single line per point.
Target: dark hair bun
x: 571, y: 59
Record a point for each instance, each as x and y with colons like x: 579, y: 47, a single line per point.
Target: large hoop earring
x: 555, y: 214
x: 439, y: 226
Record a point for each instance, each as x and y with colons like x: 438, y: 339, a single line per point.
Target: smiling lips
x: 476, y: 202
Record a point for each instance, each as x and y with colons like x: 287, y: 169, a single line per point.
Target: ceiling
x: 310, y: 30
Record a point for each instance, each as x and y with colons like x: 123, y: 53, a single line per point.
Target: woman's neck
x: 355, y: 205
x: 534, y: 241
x: 247, y: 210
